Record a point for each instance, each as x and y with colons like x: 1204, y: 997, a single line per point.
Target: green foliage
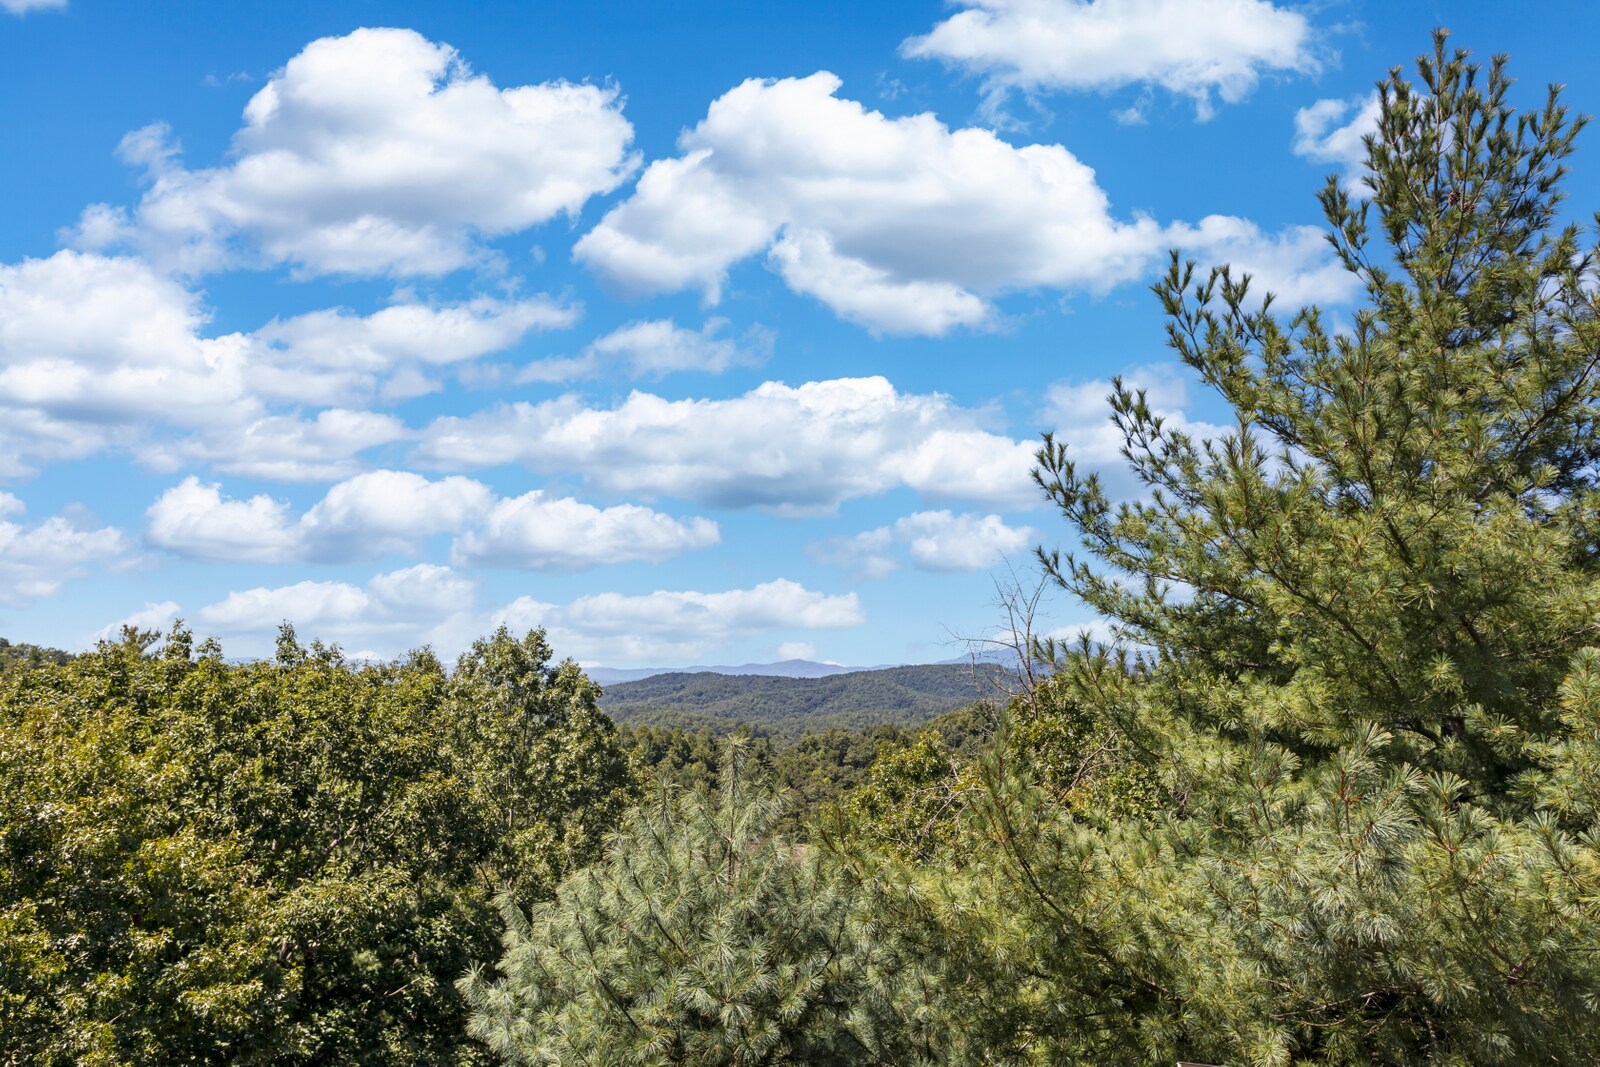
x: 1062, y: 736
x: 908, y: 802
x: 966, y: 731
x: 704, y: 938
x: 820, y: 769
x: 544, y: 763
x: 683, y: 758
x: 279, y: 862
x: 1401, y: 528
x: 1567, y: 782
x: 814, y: 772
x: 125, y: 935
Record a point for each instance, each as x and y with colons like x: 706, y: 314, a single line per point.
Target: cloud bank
x: 1200, y: 49
x: 789, y: 449
x: 901, y: 225
x: 376, y: 153
x: 389, y: 512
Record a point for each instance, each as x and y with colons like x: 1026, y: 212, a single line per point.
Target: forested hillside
x: 787, y: 708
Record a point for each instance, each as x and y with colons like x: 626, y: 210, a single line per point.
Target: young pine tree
x: 1371, y: 607
x: 701, y: 938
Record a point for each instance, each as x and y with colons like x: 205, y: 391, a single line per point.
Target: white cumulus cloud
x: 104, y: 352
x: 286, y: 448
x: 873, y: 296
x: 401, y: 605
x: 662, y: 347
x: 546, y: 533
x: 195, y: 519
x: 91, y: 345
x: 332, y: 356
x: 22, y: 7
x: 902, y: 225
x: 1194, y: 48
x: 655, y: 348
x: 155, y: 615
x: 37, y: 560
x: 378, y: 152
x: 366, y: 516
x: 1293, y: 264
x: 382, y: 512
x: 678, y: 624
x: 939, y: 541
x: 1334, y: 131
x: 390, y: 511
x: 427, y: 604
x: 1080, y: 414
x: 790, y: 449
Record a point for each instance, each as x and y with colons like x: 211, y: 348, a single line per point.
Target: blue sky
x: 701, y: 332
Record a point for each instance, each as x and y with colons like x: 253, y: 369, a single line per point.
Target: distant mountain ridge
x: 788, y: 707
x: 788, y: 668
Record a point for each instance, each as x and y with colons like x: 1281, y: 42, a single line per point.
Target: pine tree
x: 701, y: 938
x: 1367, y: 695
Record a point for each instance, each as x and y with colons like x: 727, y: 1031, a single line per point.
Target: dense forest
x: 789, y: 708
x: 1329, y: 797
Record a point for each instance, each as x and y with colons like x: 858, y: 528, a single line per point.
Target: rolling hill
x: 789, y: 668
x: 788, y: 708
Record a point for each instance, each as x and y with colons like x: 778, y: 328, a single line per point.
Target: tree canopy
x: 279, y: 862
